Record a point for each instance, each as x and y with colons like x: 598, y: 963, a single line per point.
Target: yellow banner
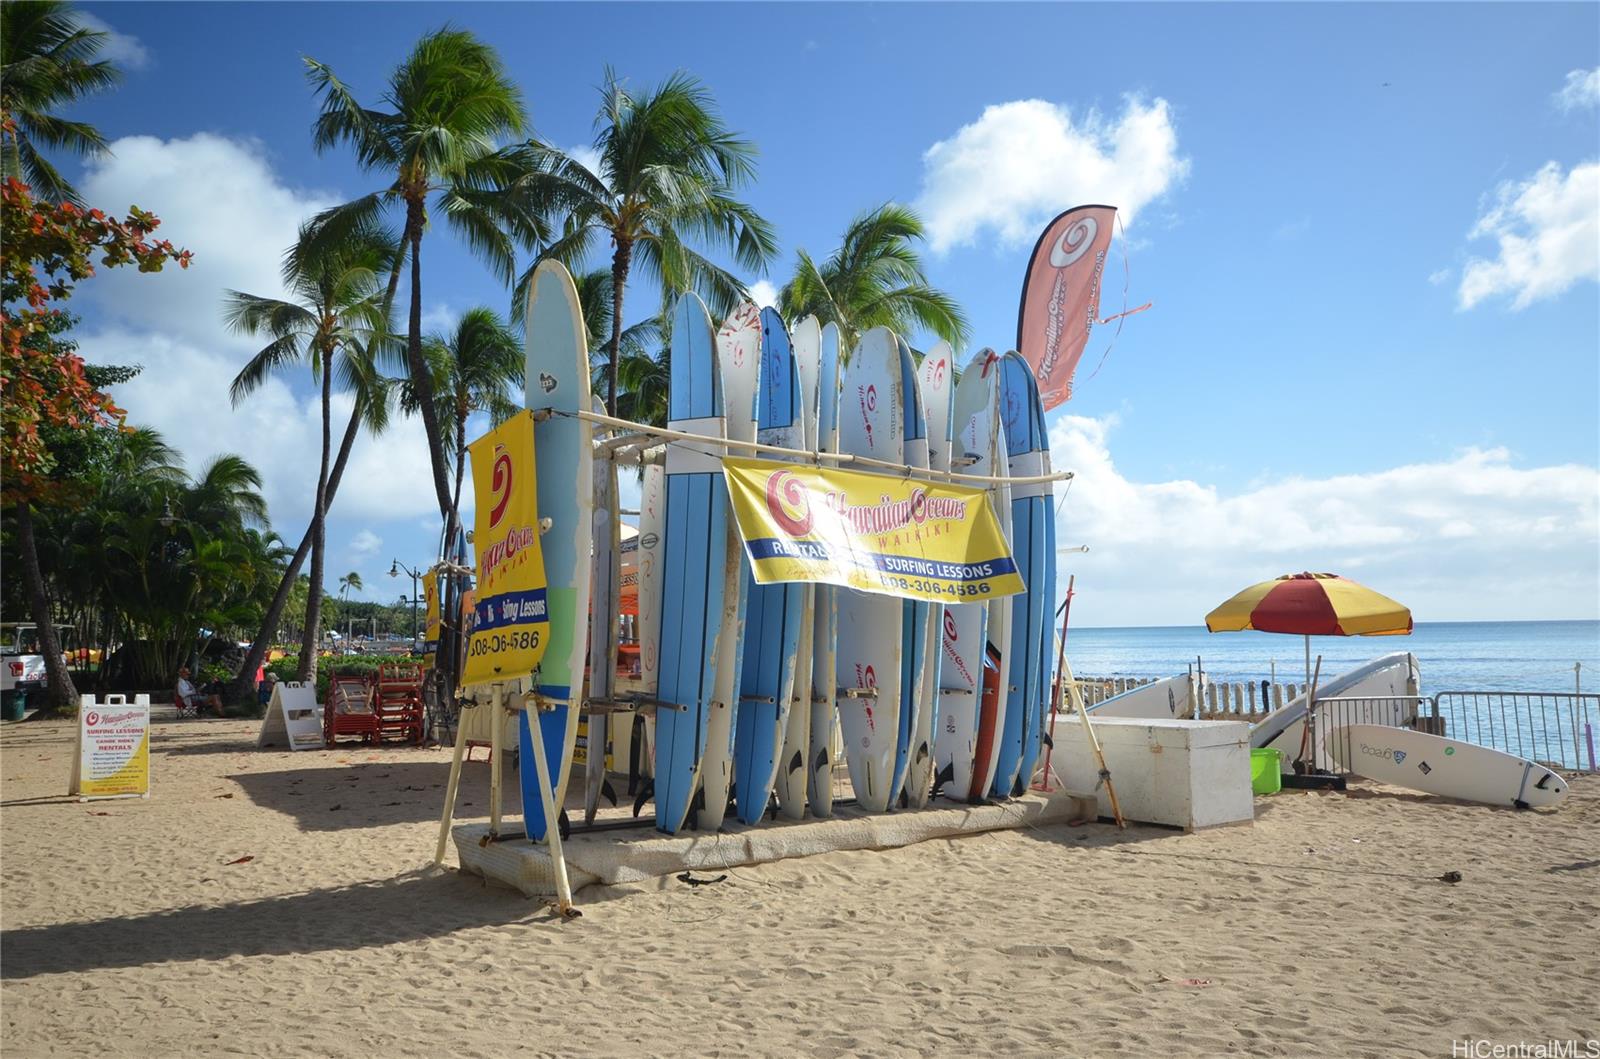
x: 430, y: 593
x: 872, y: 532
x: 509, y: 624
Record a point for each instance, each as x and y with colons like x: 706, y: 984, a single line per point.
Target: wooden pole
x: 450, y: 791
x: 552, y: 829
x: 497, y: 721
x: 1055, y: 698
x: 1083, y: 715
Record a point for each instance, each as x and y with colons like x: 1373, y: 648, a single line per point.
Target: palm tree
x: 668, y: 169
x: 875, y: 278
x: 642, y: 376
x: 473, y: 369
x: 446, y: 107
x: 336, y: 320
x: 349, y: 581
x: 47, y: 63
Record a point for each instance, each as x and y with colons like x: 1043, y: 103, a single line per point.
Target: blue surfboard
x: 694, y: 548
x: 557, y: 372
x: 1022, y: 423
x: 773, y: 613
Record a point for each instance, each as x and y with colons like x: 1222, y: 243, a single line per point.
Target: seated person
x: 190, y: 698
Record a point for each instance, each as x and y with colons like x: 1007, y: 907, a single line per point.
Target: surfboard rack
x: 539, y: 702
x: 638, y: 430
x: 769, y: 699
x: 857, y: 693
x: 955, y: 691
x: 642, y: 704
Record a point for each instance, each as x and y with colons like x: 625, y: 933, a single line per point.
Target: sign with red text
x: 113, y: 759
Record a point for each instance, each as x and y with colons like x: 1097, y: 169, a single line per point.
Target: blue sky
x: 1368, y: 231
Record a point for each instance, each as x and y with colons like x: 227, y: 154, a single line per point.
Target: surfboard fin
x: 945, y: 775
x: 1045, y: 738
x: 564, y: 826
x: 822, y: 758
x: 647, y: 790
x: 697, y: 805
x: 608, y: 793
x: 798, y: 762
x: 922, y: 752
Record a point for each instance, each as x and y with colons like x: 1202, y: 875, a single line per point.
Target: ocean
x: 1452, y: 655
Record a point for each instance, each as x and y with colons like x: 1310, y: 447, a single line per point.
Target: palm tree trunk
x: 421, y: 379
x: 461, y: 456
x: 241, y: 691
x: 313, y: 631
x: 60, y: 695
x: 620, y: 262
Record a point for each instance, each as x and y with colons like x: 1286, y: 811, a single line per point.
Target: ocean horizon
x: 1451, y: 655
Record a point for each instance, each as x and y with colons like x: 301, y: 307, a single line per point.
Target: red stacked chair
x: 397, y: 701
x: 349, y: 710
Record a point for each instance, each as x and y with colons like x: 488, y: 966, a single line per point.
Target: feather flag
x: 1061, y: 297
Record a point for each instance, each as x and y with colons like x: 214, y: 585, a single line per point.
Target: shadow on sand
x: 422, y: 904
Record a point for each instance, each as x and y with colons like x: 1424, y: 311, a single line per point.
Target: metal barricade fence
x: 1331, y: 717
x: 1558, y: 729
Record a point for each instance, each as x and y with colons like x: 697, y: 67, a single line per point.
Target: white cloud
x: 222, y: 199
x: 1473, y: 536
x: 124, y: 49
x: 763, y: 294
x: 1441, y: 276
x: 1581, y: 90
x: 183, y: 393
x: 1548, y: 231
x: 365, y: 542
x: 1024, y: 161
x: 217, y: 197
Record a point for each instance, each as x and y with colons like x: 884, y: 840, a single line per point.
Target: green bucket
x: 13, y: 704
x: 1266, y: 770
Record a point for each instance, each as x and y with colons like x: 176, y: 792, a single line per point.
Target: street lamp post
x: 395, y: 567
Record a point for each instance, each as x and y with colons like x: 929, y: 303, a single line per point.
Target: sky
x: 1370, y: 234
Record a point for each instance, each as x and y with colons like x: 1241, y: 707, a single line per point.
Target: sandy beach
x: 269, y: 903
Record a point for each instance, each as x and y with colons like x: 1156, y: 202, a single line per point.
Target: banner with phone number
x: 509, y: 626
x: 873, y: 532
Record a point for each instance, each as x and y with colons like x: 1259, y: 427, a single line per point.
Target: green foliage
x: 346, y: 666
x: 874, y: 279
x: 47, y: 63
x: 668, y: 174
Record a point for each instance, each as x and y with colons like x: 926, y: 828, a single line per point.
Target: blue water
x: 1453, y: 655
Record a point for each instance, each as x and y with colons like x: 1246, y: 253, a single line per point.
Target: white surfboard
x: 604, y: 598
x: 867, y: 657
x: 967, y: 626
x: 652, y: 522
x: 1166, y: 699
x: 739, y: 362
x: 825, y: 619
x: 791, y: 781
x: 938, y: 402
x: 1446, y: 767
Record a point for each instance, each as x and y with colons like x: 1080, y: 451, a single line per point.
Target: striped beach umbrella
x: 1311, y: 605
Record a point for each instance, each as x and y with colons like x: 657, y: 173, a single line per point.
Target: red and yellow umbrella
x: 1311, y: 605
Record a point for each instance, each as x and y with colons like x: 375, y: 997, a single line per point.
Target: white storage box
x: 1188, y: 774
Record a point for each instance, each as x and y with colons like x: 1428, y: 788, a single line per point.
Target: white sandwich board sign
x: 293, y: 718
x: 113, y: 751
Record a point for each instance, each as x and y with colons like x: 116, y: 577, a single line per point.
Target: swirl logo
x: 92, y: 719
x: 500, y: 485
x: 871, y: 401
x: 789, y: 503
x: 1074, y: 242
x: 938, y: 373
x: 950, y: 628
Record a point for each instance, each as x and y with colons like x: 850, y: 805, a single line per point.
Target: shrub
x: 349, y: 665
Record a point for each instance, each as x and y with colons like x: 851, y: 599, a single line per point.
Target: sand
x: 1323, y: 929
